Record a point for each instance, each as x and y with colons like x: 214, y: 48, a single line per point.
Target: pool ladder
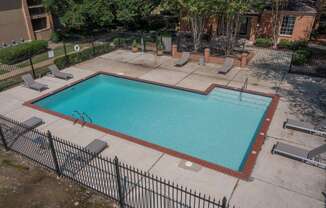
x: 245, y: 86
x: 81, y: 116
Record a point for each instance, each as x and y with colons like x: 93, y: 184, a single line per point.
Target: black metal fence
x: 128, y: 186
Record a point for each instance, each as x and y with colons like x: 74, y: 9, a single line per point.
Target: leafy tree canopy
x: 132, y: 10
x: 90, y: 15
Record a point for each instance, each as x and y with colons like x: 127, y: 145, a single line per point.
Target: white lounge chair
x: 58, y: 74
x: 308, y: 156
x: 32, y: 84
x: 184, y: 59
x: 227, y: 66
x: 302, y: 126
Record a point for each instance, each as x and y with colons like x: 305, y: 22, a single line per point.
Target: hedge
x: 75, y: 58
x: 293, y: 45
x: 286, y: 44
x: 301, y: 57
x: 264, y: 42
x: 22, y: 51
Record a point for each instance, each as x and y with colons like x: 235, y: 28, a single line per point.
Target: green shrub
x: 119, y: 41
x: 264, y: 42
x: 287, y: 44
x: 301, y: 57
x: 293, y: 45
x: 55, y: 37
x: 116, y: 41
x: 300, y: 44
x: 135, y: 43
x: 160, y: 46
x: 75, y: 58
x: 22, y: 51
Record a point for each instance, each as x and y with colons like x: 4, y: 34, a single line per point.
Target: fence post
x: 2, y: 136
x: 224, y: 201
x: 32, y: 66
x: 65, y: 51
x: 118, y: 178
x: 93, y: 45
x: 291, y: 63
x: 54, y: 155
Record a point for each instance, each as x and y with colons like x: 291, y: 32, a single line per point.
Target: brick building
x: 24, y: 19
x: 297, y: 23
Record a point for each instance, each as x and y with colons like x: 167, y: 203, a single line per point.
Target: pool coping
x: 251, y: 158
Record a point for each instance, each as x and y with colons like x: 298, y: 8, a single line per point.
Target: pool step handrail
x: 245, y: 86
x: 88, y: 117
x: 81, y: 117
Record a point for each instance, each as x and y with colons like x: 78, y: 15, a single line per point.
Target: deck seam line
x: 156, y: 161
x: 233, y: 190
x: 229, y: 81
x: 290, y: 190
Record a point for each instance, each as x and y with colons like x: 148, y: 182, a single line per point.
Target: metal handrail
x: 88, y: 117
x: 245, y: 85
x: 81, y: 117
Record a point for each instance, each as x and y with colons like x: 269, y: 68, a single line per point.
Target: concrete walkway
x: 276, y: 181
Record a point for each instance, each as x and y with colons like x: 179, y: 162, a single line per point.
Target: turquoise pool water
x: 219, y: 127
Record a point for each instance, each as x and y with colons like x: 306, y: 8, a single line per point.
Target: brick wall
x: 301, y: 31
x: 12, y: 26
x: 302, y: 28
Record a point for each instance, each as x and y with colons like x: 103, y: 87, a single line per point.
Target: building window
x: 287, y: 25
x: 39, y: 24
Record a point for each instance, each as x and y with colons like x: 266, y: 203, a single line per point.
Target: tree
x: 198, y: 11
x: 277, y: 7
x: 133, y: 11
x: 85, y: 16
x: 233, y: 10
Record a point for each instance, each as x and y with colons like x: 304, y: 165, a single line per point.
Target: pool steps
x: 81, y: 116
x: 239, y: 98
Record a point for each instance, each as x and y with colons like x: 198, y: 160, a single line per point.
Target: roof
x: 293, y: 6
x: 301, y: 7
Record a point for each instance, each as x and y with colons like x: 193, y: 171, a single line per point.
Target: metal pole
x: 65, y: 51
x: 291, y: 63
x: 32, y: 66
x: 93, y: 46
x: 224, y: 201
x: 117, y: 171
x: 54, y: 156
x: 3, y: 139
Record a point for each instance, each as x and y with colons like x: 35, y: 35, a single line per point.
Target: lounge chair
x: 32, y: 84
x: 58, y: 74
x: 227, y: 66
x: 302, y: 126
x: 75, y: 161
x: 183, y: 60
x: 307, y: 156
x: 12, y: 134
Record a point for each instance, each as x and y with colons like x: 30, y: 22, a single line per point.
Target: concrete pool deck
x: 276, y: 181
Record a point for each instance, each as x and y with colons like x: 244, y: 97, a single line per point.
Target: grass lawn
x: 25, y: 185
x: 58, y: 51
x: 5, y: 84
x: 2, y: 71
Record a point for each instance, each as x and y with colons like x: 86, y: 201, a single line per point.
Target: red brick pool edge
x: 251, y: 159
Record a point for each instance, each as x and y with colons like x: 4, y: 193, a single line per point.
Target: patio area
x: 276, y: 181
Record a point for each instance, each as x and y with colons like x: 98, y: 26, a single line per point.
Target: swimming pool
x: 218, y: 128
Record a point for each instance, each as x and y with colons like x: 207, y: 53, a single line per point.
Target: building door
x: 243, y: 30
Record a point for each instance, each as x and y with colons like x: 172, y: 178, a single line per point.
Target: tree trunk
x: 197, y: 24
x: 277, y: 7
